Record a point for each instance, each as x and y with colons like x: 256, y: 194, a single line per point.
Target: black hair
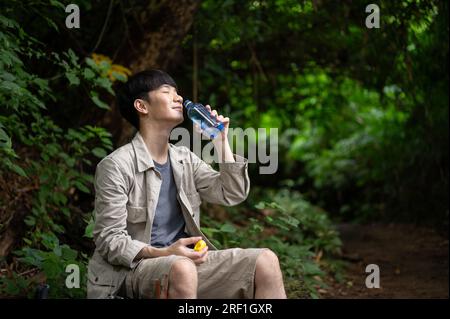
x: 137, y: 87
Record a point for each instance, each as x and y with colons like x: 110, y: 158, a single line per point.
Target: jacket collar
x: 144, y: 158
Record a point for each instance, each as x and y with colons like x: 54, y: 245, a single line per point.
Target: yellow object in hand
x: 200, y: 245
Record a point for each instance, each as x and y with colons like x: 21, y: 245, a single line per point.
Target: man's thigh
x: 228, y: 274
x: 150, y: 278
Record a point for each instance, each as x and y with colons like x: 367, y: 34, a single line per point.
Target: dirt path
x: 413, y: 262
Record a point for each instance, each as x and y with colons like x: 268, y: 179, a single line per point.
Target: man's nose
x: 178, y: 98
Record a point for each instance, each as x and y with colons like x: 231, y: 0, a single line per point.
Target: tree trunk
x: 157, y: 47
x: 156, y: 33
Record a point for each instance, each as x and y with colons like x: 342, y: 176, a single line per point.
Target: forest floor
x: 413, y: 262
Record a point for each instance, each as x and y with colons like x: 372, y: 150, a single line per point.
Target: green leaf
x: 88, y: 232
x: 49, y: 240
x: 18, y: 170
x: 260, y: 205
x: 91, y: 63
x: 227, y: 228
x: 65, y: 211
x: 68, y: 253
x: 73, y: 57
x: 70, y: 161
x: 73, y: 78
x: 105, y: 83
x: 80, y: 186
x: 4, y: 138
x: 51, y: 23
x: 119, y: 76
x: 57, y: 251
x: 310, y: 268
x: 98, y: 102
x: 99, y: 152
x: 30, y: 220
x: 60, y: 198
x: 88, y: 74
x: 51, y: 267
x: 64, y: 182
x: 58, y: 4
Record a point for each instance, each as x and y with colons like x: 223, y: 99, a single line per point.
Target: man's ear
x: 141, y: 106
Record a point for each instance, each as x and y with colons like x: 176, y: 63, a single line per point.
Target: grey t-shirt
x: 168, y: 223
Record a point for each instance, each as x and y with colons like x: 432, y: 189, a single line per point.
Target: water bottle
x: 200, y: 115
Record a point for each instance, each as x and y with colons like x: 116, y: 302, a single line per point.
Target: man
x: 148, y: 194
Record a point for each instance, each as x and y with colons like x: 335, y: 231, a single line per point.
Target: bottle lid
x: 187, y: 104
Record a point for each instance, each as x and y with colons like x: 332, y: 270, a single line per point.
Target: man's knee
x: 268, y: 259
x: 268, y: 276
x: 183, y: 279
x: 183, y: 270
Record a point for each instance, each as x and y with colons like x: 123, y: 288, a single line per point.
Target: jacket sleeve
x: 110, y: 234
x: 230, y: 186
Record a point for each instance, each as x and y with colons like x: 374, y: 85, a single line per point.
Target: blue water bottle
x: 200, y: 115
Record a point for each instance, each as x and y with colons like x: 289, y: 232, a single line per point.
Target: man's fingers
x: 203, y: 251
x: 197, y: 255
x: 189, y: 240
x: 201, y: 254
x: 192, y: 254
x: 201, y: 259
x: 216, y: 114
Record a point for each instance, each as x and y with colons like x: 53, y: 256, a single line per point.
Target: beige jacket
x: 126, y: 194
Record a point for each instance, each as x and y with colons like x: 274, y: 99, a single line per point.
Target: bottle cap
x: 187, y: 103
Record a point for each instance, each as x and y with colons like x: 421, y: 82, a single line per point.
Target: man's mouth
x: 180, y: 108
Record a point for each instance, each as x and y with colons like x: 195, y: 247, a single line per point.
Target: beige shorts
x: 226, y: 274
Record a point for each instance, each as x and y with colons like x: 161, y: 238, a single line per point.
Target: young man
x: 148, y: 194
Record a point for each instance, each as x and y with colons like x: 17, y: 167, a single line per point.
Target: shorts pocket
x: 100, y: 281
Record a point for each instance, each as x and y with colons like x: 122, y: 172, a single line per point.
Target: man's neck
x: 157, y: 141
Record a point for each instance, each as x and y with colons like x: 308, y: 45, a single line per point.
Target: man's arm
x: 231, y: 185
x: 223, y: 149
x: 178, y: 248
x: 151, y: 252
x: 110, y: 232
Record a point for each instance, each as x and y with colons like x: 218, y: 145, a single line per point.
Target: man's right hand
x: 180, y: 248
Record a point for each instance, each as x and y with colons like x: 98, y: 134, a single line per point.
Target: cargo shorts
x: 226, y: 274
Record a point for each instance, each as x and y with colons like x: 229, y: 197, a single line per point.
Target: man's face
x: 165, y: 105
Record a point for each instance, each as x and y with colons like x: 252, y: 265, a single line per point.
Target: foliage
x: 52, y: 260
x: 362, y: 113
x: 298, y: 232
x: 48, y: 160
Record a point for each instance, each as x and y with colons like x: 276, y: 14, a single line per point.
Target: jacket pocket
x: 100, y: 280
x: 136, y: 214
